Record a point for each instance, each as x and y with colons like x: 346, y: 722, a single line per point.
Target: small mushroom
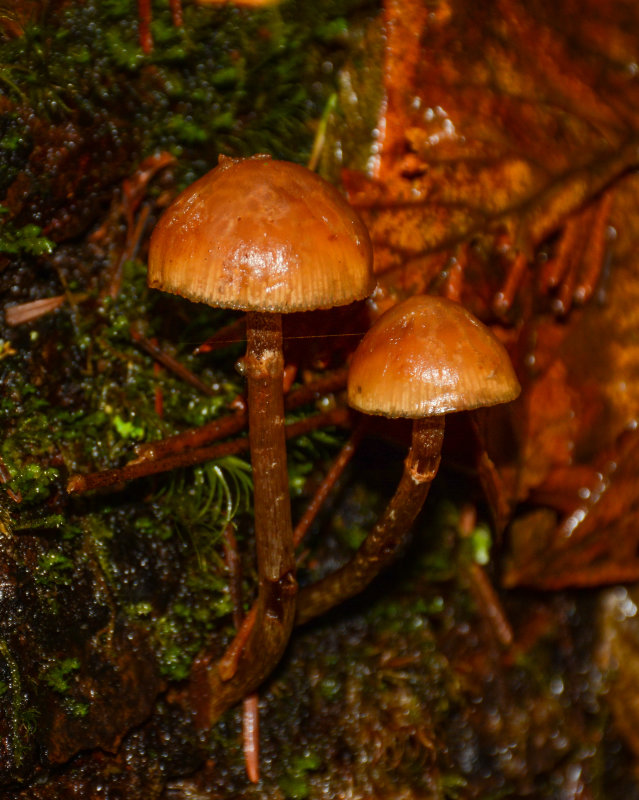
x: 267, y: 237
x: 424, y: 358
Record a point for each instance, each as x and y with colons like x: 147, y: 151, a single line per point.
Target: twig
x: 338, y: 466
x: 232, y: 333
x: 144, y: 25
x: 78, y: 484
x: 594, y: 256
x: 27, y: 312
x: 514, y: 276
x: 250, y: 708
x: 191, y: 439
x: 227, y: 426
x: 134, y: 237
x: 227, y: 665
x: 176, y: 12
x: 481, y: 587
x: 171, y: 363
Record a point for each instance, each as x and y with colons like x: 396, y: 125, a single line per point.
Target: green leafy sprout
x: 25, y: 240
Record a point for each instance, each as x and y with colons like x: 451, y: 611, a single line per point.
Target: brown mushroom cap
x: 428, y: 356
x: 262, y: 235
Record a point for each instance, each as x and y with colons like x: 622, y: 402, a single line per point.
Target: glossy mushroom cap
x: 262, y: 235
x: 428, y: 356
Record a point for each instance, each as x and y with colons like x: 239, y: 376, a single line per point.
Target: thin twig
x: 250, y: 704
x: 134, y: 236
x: 232, y: 333
x: 78, y: 484
x: 228, y: 426
x: 481, y: 587
x: 171, y: 363
x: 28, y: 312
x: 323, y: 490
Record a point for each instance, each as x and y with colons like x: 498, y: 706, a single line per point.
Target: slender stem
x: 390, y: 532
x: 277, y: 587
x: 264, y: 371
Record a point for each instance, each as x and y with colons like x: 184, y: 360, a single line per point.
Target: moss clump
x: 25, y: 240
x: 227, y: 80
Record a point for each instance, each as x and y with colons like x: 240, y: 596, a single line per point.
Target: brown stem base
x: 269, y: 635
x: 277, y: 588
x: 380, y: 547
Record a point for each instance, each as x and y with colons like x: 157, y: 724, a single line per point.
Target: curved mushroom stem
x: 381, y: 545
x: 277, y: 589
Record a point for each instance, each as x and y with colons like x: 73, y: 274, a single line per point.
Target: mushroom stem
x: 277, y: 588
x: 264, y: 372
x: 390, y: 532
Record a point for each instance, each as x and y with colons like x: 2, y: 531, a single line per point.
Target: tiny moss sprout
x: 295, y: 784
x: 481, y: 541
x: 127, y: 429
x: 33, y: 482
x: 54, y: 569
x: 6, y: 349
x: 58, y: 676
x: 27, y: 240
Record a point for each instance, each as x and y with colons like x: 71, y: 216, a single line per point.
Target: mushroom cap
x: 262, y: 235
x: 428, y: 356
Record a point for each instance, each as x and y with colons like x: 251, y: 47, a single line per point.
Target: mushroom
x: 267, y: 237
x: 424, y: 358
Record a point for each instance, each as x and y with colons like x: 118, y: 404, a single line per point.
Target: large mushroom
x: 424, y: 358
x: 267, y: 237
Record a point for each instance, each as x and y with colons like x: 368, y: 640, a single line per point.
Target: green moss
x: 480, y: 543
x: 33, y: 482
x: 77, y: 708
x: 25, y: 240
x: 295, y: 783
x: 58, y: 675
x: 48, y: 521
x: 23, y: 717
x: 127, y: 429
x: 453, y: 786
x: 225, y: 81
x: 193, y: 615
x: 304, y: 452
x: 54, y: 569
